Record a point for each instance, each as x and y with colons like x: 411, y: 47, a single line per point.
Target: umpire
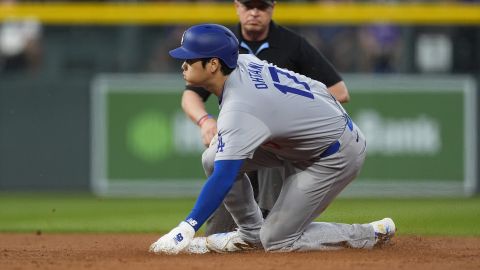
x: 259, y: 35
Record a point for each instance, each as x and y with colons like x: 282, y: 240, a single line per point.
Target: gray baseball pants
x: 269, y: 187
x: 309, y: 187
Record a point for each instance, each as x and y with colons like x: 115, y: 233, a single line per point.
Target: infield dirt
x: 129, y: 251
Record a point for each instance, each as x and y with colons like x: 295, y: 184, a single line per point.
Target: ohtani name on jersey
x: 255, y: 73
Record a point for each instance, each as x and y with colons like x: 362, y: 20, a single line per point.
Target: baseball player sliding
x: 270, y: 117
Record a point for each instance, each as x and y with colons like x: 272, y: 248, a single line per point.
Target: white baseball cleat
x: 198, y: 245
x: 228, y: 242
x: 384, y: 230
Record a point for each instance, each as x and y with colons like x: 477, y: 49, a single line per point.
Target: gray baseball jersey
x: 273, y: 117
x: 257, y: 102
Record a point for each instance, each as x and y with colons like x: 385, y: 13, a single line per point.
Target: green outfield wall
x: 420, y: 134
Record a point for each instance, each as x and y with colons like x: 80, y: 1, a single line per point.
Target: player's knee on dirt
x: 272, y: 240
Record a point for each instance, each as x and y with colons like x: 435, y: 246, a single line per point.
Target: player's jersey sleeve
x: 239, y: 134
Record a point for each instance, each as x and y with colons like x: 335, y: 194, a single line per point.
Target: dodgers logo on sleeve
x: 220, y: 144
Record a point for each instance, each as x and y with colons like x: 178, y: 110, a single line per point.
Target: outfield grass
x: 86, y: 213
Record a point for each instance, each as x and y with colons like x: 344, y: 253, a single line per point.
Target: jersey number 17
x: 275, y: 72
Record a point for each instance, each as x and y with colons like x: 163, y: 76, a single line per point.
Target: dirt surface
x: 127, y: 251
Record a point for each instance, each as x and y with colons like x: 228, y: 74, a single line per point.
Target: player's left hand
x: 208, y: 130
x: 175, y: 241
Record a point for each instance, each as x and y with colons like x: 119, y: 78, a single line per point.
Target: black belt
x: 335, y: 146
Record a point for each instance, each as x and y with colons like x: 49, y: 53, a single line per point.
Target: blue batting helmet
x: 208, y: 40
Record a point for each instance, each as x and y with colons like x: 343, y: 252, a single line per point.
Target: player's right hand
x: 175, y: 241
x: 208, y: 130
